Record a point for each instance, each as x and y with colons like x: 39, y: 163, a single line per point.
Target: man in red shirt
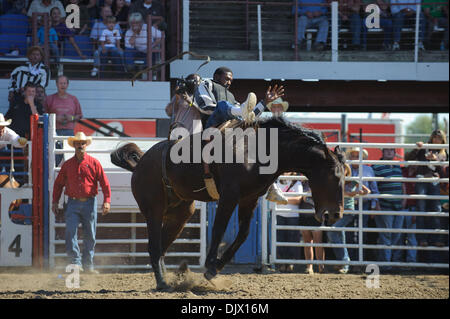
x: 80, y: 175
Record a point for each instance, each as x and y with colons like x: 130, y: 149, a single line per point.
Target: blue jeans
x: 221, y: 114
x: 355, y: 25
x: 338, y: 237
x: 116, y: 57
x: 386, y: 24
x: 131, y: 55
x: 59, y: 144
x: 320, y: 22
x: 411, y: 255
x: 424, y: 205
x: 389, y: 239
x: 85, y: 213
x: 399, y: 21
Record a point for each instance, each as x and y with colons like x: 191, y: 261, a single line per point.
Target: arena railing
x: 265, y: 28
x: 122, y: 236
x: 269, y: 249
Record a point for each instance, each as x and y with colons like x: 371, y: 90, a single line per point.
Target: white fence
x: 121, y: 235
x: 271, y: 258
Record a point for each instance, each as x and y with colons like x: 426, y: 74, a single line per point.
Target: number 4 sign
x: 15, y: 240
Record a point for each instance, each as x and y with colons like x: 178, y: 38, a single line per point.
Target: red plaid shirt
x: 80, y: 179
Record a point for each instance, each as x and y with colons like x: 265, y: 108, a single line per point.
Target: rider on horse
x: 218, y: 105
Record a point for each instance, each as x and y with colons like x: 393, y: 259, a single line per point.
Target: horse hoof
x: 208, y: 275
x: 163, y: 287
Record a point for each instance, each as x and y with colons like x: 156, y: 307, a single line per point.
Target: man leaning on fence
x: 387, y: 221
x: 80, y: 176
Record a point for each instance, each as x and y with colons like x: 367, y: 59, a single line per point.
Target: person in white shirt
x: 291, y: 219
x: 136, y: 41
x: 8, y: 135
x: 110, y: 43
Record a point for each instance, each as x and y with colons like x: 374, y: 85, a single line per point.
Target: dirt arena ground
x: 229, y: 285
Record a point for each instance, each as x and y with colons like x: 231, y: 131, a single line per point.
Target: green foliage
x: 422, y: 124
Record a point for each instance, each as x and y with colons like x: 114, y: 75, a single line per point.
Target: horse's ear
x: 337, y: 150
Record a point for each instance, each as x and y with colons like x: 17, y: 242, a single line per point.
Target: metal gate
x: 122, y: 235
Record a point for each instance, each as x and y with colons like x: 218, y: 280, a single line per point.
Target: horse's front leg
x: 246, y: 208
x: 225, y: 208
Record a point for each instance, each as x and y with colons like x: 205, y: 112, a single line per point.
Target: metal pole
x: 185, y: 28
x: 416, y: 39
x: 334, y: 31
x: 344, y: 125
x: 259, y: 34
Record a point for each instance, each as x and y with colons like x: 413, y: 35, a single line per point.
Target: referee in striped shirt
x: 34, y: 71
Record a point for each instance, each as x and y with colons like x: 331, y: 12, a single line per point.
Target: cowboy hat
x: 79, y: 136
x: 356, y: 149
x: 3, y: 122
x: 278, y: 101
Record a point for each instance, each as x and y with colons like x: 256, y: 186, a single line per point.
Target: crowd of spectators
x: 388, y: 210
x: 394, y: 16
x: 130, y: 19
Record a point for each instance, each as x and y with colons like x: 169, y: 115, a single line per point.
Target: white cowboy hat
x: 79, y: 136
x: 279, y: 101
x: 3, y: 122
x: 356, y: 149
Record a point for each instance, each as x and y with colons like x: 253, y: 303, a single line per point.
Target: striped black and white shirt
x: 38, y: 74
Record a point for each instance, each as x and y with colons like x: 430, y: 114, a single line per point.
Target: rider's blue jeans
x: 221, y: 114
x: 85, y: 213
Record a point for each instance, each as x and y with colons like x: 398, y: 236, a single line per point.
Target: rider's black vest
x: 221, y: 93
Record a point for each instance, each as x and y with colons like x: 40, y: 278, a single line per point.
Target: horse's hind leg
x: 173, y: 223
x: 154, y: 229
x: 246, y: 208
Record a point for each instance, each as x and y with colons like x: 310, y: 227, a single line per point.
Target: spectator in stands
x: 63, y: 32
x: 8, y: 135
x: 22, y: 107
x: 93, y: 9
x: 85, y: 18
x: 410, y: 221
x: 389, y: 204
x: 96, y: 33
x: 349, y: 15
x: 52, y: 39
x: 120, y: 11
x: 136, y: 41
x: 368, y: 204
x: 41, y: 95
x: 80, y: 176
x: 405, y: 10
x: 385, y: 23
x: 44, y: 6
x: 35, y: 71
x: 180, y: 109
x: 313, y: 16
x: 18, y: 7
x: 111, y: 47
x: 429, y: 171
x: 149, y: 7
x: 310, y: 236
x: 338, y: 237
x: 67, y: 109
x: 289, y: 219
x: 436, y: 14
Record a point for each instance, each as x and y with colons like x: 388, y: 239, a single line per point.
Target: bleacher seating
x: 85, y: 45
x: 13, y: 35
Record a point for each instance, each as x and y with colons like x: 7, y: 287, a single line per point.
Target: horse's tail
x: 127, y: 156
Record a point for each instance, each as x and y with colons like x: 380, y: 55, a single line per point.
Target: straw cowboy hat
x: 79, y: 136
x: 278, y: 101
x: 3, y: 122
x: 356, y: 149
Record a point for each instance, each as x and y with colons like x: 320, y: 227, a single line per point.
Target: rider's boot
x: 247, y: 108
x: 274, y: 194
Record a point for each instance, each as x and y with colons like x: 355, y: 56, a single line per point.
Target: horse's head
x: 327, y: 185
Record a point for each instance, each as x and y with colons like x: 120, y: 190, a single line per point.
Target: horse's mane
x: 291, y: 132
